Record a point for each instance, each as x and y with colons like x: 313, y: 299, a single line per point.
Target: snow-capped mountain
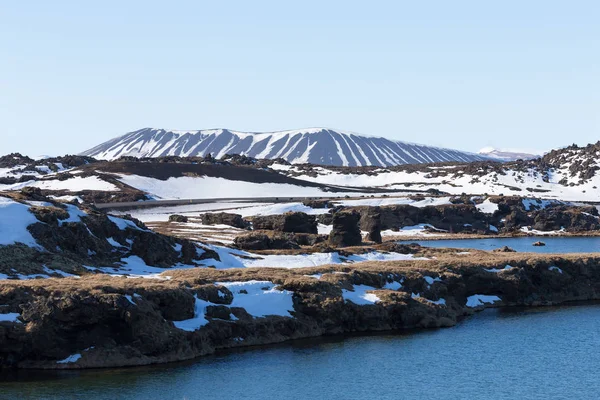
x: 507, y: 155
x: 316, y: 145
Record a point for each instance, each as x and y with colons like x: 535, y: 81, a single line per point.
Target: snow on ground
x: 14, y: 219
x: 47, y: 274
x: 198, y: 320
x: 161, y: 214
x: 74, y: 184
x: 415, y: 230
x: 67, y: 198
x: 359, y: 295
x: 430, y: 280
x: 71, y: 359
x: 136, y: 267
x: 187, y: 187
x: 555, y: 268
x: 123, y: 224
x: 279, y: 208
x: 478, y: 300
x: 387, y: 201
x: 323, y: 229
x: 440, y: 302
x: 395, y: 285
x: 510, y: 183
x: 528, y: 204
x: 75, y: 214
x: 487, y: 207
x: 317, y: 259
x: 260, y: 298
x: 535, y: 232
x: 496, y: 270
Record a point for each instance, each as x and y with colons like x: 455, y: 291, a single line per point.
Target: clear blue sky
x: 461, y: 74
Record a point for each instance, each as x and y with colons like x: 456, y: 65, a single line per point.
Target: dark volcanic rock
x: 504, y: 249
x: 261, y: 241
x: 114, y: 322
x: 223, y: 218
x: 325, y: 219
x: 296, y: 222
x: 373, y: 215
x: 572, y: 219
x: 253, y: 241
x: 283, y: 242
x: 346, y: 231
x: 178, y: 218
x: 320, y: 203
x: 454, y: 218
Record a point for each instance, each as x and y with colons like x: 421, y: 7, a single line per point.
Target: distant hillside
x: 506, y: 155
x: 316, y: 146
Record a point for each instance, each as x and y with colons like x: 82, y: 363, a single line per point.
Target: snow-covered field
x: 208, y: 187
x: 15, y: 217
x: 161, y: 214
x: 74, y: 184
x: 519, y: 183
x: 389, y: 201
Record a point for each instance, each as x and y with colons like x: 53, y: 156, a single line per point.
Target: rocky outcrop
x: 373, y: 215
x: 464, y: 217
x: 454, y: 218
x: 69, y: 239
x: 253, y: 241
x: 223, y: 218
x: 107, y: 322
x: 572, y: 219
x: 345, y: 231
x: 277, y: 241
x: 295, y: 222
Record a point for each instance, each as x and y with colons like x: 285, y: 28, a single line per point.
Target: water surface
x: 528, y: 354
x: 585, y: 244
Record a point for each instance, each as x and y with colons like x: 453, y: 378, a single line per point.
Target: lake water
x: 545, y: 353
x: 522, y: 244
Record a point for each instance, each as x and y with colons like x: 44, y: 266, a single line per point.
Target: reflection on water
x: 528, y: 353
x: 587, y: 244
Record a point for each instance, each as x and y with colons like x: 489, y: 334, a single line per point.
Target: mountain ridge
x: 322, y: 146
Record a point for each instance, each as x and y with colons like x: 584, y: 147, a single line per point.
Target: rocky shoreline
x: 103, y: 321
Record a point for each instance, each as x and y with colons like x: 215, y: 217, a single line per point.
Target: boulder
x: 295, y: 222
x: 223, y: 218
x: 539, y: 243
x: 178, y: 218
x: 345, y: 231
x: 253, y: 241
x: 260, y: 241
x: 374, y: 230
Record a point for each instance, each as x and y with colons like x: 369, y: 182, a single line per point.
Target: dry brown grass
x: 444, y: 262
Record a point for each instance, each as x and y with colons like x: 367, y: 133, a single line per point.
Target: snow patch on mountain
x: 314, y: 145
x: 509, y: 154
